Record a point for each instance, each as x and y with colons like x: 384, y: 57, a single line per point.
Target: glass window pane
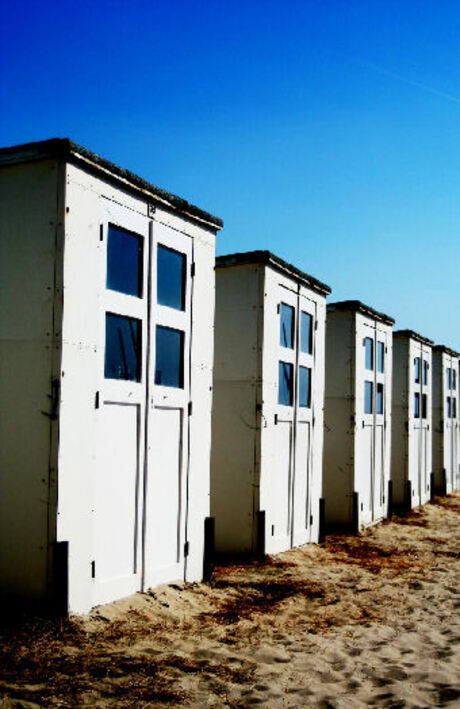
x: 369, y: 354
x: 379, y: 399
x: 285, y: 382
x: 306, y: 332
x: 448, y: 377
x: 424, y: 406
x: 124, y: 261
x: 171, y: 271
x: 449, y: 412
x: 454, y: 407
x: 122, y: 348
x: 368, y: 396
x: 417, y: 369
x: 454, y: 379
x: 425, y: 372
x: 305, y: 387
x: 169, y: 357
x: 380, y: 356
x: 287, y: 326
x: 417, y: 405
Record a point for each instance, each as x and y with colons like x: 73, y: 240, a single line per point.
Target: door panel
x: 415, y: 463
x: 282, y: 484
x: 164, y: 503
x: 366, y: 446
x: 301, y: 505
x: 424, y: 477
x: 379, y: 473
x: 116, y: 492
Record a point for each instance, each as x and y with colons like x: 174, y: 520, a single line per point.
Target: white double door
x: 290, y: 518
x: 140, y: 487
x: 420, y: 451
x: 451, y: 424
x: 371, y: 428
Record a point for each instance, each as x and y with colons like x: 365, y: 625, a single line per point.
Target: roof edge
x: 446, y: 350
x: 267, y: 258
x: 414, y: 335
x: 66, y: 149
x: 359, y: 307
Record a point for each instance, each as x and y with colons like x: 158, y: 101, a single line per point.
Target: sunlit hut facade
x: 446, y: 462
x: 411, y: 433
x: 357, y: 430
x: 267, y: 432
x: 106, y: 379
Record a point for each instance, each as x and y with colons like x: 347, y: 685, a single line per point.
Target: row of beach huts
x: 161, y: 407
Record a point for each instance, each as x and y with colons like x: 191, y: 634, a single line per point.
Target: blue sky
x: 327, y: 132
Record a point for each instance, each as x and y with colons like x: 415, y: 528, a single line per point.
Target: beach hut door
x: 166, y: 480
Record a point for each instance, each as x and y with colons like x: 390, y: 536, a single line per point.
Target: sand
x: 371, y: 620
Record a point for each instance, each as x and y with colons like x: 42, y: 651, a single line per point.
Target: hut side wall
x: 234, y: 480
x: 400, y: 420
x: 338, y: 463
x: 30, y: 270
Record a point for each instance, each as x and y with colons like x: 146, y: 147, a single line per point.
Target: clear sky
x: 327, y: 132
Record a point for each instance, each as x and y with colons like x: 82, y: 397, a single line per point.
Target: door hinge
x: 311, y: 520
x: 93, y: 569
x: 101, y: 233
x: 192, y: 269
x: 186, y: 548
x: 278, y: 308
x: 276, y: 419
x: 316, y: 324
x: 96, y: 400
x: 189, y: 408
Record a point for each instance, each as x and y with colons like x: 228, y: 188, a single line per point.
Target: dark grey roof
x: 413, y: 335
x: 268, y: 259
x: 357, y: 306
x: 446, y: 350
x: 67, y: 150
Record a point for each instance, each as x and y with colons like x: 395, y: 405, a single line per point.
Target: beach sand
x: 367, y: 620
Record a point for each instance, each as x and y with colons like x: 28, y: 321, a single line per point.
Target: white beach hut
x: 106, y: 350
x: 411, y: 432
x: 446, y: 463
x: 267, y: 426
x: 357, y: 418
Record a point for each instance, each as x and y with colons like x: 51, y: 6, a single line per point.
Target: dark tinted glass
x: 287, y: 326
x: 368, y: 396
x: 380, y: 356
x: 454, y: 407
x: 169, y: 362
x: 417, y: 369
x: 369, y: 347
x: 305, y: 387
x: 171, y: 267
x: 122, y: 348
x: 417, y: 405
x: 306, y: 333
x: 424, y: 408
x: 379, y: 399
x: 449, y: 410
x: 454, y: 379
x: 285, y: 383
x: 448, y: 378
x: 124, y: 261
x: 425, y: 372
